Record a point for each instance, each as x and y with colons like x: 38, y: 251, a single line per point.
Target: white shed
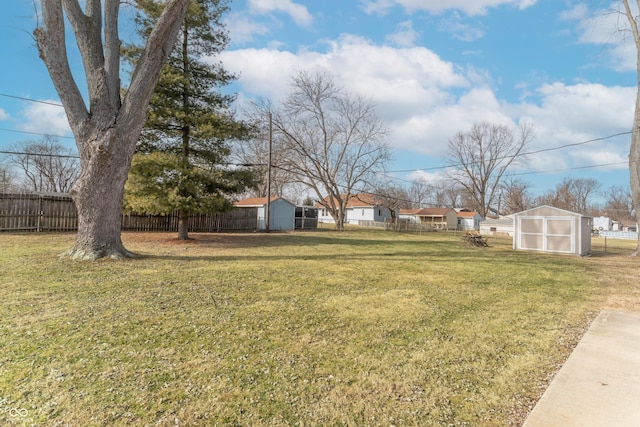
x: 549, y: 229
x: 469, y: 220
x: 281, y: 212
x: 494, y: 227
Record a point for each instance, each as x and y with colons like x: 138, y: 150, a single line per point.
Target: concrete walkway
x: 599, y: 385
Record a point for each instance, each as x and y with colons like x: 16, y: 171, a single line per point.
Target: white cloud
x: 469, y: 7
x: 242, y: 29
x: 607, y: 28
x: 297, y: 12
x: 582, y: 110
x: 405, y: 36
x: 459, y: 30
x: 577, y: 114
x: 4, y: 115
x: 45, y: 119
x: 424, y: 100
x: 385, y: 74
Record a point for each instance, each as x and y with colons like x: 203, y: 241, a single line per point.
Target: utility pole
x: 268, y: 208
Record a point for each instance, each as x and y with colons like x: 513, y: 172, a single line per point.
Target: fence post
x: 38, y: 223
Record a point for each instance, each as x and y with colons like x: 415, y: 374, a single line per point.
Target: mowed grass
x: 359, y: 328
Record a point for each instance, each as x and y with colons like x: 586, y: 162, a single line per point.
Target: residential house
x: 281, y: 212
x: 497, y: 226
x: 432, y: 218
x: 361, y: 209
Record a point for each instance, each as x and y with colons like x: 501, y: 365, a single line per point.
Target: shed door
x: 549, y: 234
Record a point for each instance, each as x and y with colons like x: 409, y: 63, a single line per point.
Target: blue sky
x: 431, y: 67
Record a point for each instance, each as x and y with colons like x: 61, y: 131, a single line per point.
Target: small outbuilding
x: 281, y: 212
x: 549, y: 229
x: 497, y: 226
x: 469, y: 220
x: 306, y: 217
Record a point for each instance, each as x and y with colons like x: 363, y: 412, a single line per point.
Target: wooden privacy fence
x: 237, y: 219
x: 56, y: 212
x: 37, y: 212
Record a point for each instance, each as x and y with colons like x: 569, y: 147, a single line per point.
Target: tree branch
x: 112, y: 51
x: 53, y: 51
x: 149, y: 66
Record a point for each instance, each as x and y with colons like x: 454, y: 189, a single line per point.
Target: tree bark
x: 634, y: 150
x: 183, y: 225
x: 97, y: 194
x: 107, y: 130
x: 634, y: 162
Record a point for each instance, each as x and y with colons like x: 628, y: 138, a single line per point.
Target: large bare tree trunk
x: 634, y: 151
x: 97, y: 194
x: 106, y: 130
x: 634, y: 162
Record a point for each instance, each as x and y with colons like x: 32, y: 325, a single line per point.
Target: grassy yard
x: 360, y: 328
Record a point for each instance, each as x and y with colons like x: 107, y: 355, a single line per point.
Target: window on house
x: 379, y: 212
x: 362, y: 212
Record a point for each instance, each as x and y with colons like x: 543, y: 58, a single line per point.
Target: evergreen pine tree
x: 180, y: 157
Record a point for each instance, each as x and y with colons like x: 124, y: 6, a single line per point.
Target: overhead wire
x: 386, y: 174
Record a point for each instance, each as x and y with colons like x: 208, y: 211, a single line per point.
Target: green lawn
x: 359, y: 328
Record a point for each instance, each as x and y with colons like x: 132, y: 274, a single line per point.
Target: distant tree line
x: 47, y: 166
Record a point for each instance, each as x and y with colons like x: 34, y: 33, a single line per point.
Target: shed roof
x: 258, y: 201
x: 465, y: 214
x: 544, y: 210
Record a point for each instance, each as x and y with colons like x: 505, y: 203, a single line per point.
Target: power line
x: 568, y: 169
x: 31, y: 100
x: 69, y: 156
x: 35, y: 133
x: 560, y: 147
x: 73, y: 156
x: 577, y: 143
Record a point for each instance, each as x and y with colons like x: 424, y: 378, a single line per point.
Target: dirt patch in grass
x: 235, y: 239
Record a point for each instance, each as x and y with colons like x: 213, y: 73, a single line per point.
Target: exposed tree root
x: 92, y: 253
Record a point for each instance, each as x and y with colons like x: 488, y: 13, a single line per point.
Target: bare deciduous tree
x: 572, y: 194
x: 419, y: 192
x: 619, y: 204
x: 255, y: 152
x: 443, y: 193
x: 482, y: 155
x: 7, y: 179
x: 107, y: 128
x: 392, y: 197
x: 46, y: 165
x: 634, y: 150
x: 515, y: 196
x: 334, y: 140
